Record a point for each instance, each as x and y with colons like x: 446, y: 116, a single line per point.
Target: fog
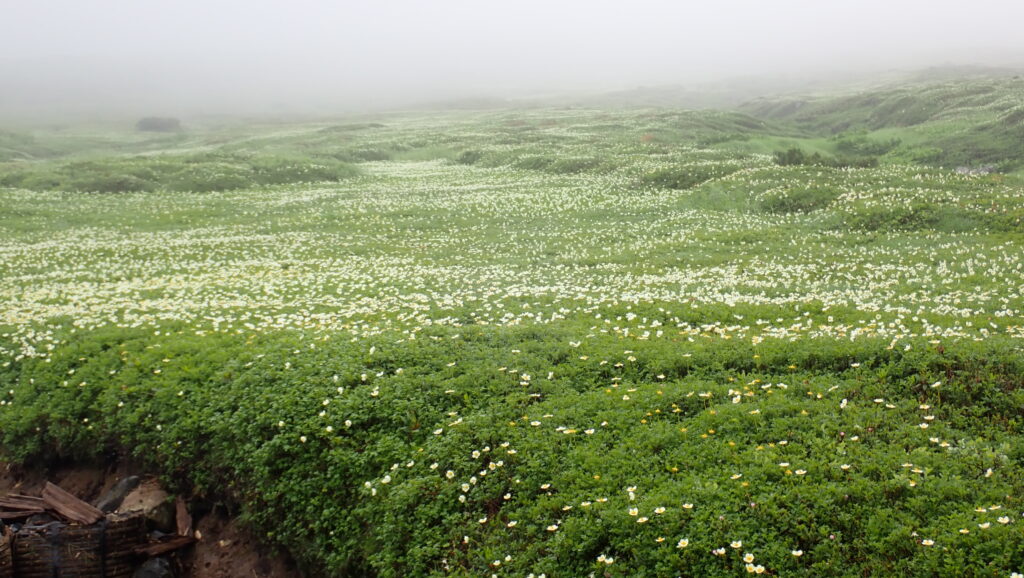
x: 103, y: 57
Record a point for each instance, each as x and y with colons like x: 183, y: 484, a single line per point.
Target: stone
x: 113, y: 497
x: 154, y: 503
x: 155, y: 568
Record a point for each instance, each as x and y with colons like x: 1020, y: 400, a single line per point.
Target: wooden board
x: 17, y: 502
x: 16, y: 514
x: 182, y: 517
x: 69, y: 506
x: 159, y: 548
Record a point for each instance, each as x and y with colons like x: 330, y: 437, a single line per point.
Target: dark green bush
x: 893, y: 218
x: 800, y: 199
x: 686, y: 177
x: 795, y: 157
x: 470, y: 157
x: 860, y: 145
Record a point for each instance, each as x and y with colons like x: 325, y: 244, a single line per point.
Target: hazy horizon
x: 123, y: 57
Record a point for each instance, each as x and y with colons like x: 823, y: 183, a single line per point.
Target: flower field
x: 554, y: 342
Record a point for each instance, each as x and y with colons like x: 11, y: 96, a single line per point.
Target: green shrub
x: 799, y: 199
x: 860, y: 145
x: 892, y: 218
x: 687, y: 176
x: 470, y: 157
x: 795, y: 157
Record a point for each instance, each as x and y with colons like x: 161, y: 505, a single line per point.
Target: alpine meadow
x: 784, y: 337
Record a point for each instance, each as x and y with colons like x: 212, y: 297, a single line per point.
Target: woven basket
x: 102, y: 550
x: 6, y: 563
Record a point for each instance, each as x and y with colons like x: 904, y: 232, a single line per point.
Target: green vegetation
x: 949, y: 123
x: 565, y: 342
x: 16, y: 146
x: 796, y: 156
x: 181, y: 173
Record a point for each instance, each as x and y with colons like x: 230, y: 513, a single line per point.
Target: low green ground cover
x: 554, y: 342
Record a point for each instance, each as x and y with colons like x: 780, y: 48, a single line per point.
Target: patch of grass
x: 685, y: 177
x: 193, y: 173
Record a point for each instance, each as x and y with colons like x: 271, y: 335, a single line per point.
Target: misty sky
x: 225, y: 55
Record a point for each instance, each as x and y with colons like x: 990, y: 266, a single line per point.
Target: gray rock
x: 112, y: 499
x: 155, y: 568
x: 150, y: 500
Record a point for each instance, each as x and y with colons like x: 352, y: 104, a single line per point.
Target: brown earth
x: 224, y: 549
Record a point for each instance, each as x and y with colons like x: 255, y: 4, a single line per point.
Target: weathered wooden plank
x: 69, y: 506
x: 18, y: 502
x: 15, y: 514
x: 165, y: 547
x: 182, y: 517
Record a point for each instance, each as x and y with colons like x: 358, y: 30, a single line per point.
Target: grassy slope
x: 579, y: 304
x: 952, y: 123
